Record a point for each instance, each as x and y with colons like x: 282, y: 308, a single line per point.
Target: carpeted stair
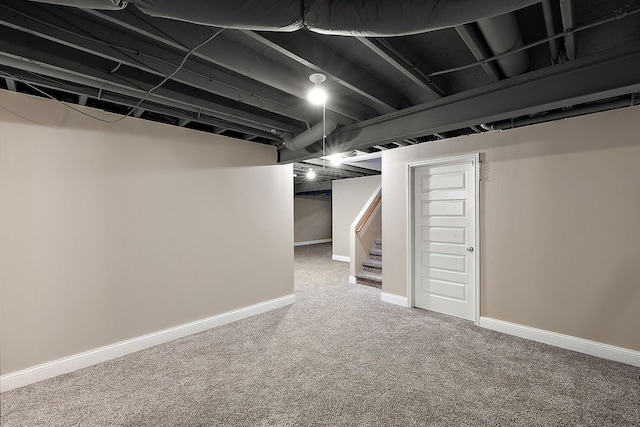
x: 371, y: 274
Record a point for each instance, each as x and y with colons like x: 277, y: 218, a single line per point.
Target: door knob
x: 470, y: 249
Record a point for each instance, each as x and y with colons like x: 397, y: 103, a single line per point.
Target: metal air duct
x: 368, y: 18
x: 309, y: 136
x: 503, y: 34
x: 88, y: 4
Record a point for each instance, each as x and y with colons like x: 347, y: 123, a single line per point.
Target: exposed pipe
x: 308, y: 137
x: 503, y: 34
x: 346, y: 17
x: 579, y: 111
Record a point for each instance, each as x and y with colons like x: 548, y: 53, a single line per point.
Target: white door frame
x: 411, y: 167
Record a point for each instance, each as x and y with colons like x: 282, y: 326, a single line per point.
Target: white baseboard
x: 394, y: 299
x: 352, y: 280
x: 569, y: 342
x: 340, y: 258
x: 82, y: 360
x: 312, y: 242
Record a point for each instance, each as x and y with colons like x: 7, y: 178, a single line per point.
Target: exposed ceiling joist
x: 11, y: 84
x: 134, y: 52
x: 306, y: 50
x: 475, y: 42
x: 88, y: 91
x: 567, y: 84
x: 407, y: 68
x: 568, y: 23
x: 227, y: 54
x: 548, y: 21
x: 128, y: 81
x: 237, y: 85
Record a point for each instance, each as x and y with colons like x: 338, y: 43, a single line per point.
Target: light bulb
x: 317, y: 96
x: 336, y: 159
x: 311, y: 174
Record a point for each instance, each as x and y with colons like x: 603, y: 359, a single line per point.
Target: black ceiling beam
x: 567, y: 12
x: 305, y: 49
x: 549, y: 20
x: 75, y: 30
x: 11, y: 84
x: 98, y: 92
x: 227, y: 54
x: 184, y: 117
x: 609, y: 74
x: 124, y: 80
x: 225, y: 108
x: 476, y: 44
x: 382, y: 48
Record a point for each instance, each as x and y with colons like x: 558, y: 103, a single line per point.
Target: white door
x: 444, y: 241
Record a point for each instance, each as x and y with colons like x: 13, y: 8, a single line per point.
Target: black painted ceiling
x: 581, y: 56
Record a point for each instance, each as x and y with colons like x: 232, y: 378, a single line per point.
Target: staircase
x: 371, y: 274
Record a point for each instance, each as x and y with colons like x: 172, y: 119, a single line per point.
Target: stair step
x: 369, y: 279
x: 376, y: 252
x: 372, y: 270
x: 373, y: 263
x: 379, y: 243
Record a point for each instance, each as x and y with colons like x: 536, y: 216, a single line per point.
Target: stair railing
x: 365, y: 228
x: 370, y: 211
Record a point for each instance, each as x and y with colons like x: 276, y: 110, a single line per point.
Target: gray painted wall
x: 312, y: 218
x: 113, y: 231
x: 559, y: 219
x: 349, y: 196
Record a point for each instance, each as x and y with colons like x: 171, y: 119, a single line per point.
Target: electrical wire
x: 144, y: 97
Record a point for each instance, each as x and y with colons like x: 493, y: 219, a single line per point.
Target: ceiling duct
x: 88, y: 4
x: 257, y: 15
x: 366, y: 18
x: 379, y: 18
x: 310, y: 136
x: 503, y: 34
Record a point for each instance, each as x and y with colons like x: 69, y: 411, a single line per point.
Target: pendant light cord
x: 324, y: 134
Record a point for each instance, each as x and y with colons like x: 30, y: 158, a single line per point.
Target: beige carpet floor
x: 338, y: 357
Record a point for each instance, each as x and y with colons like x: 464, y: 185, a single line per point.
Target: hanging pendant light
x: 317, y: 95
